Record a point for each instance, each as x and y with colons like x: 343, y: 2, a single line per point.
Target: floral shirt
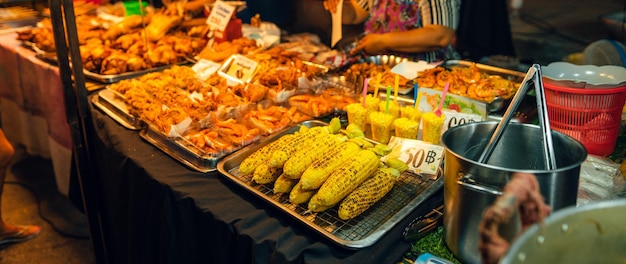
x: 403, y: 15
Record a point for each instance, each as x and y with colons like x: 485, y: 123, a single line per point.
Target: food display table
x: 33, y: 107
x: 156, y: 209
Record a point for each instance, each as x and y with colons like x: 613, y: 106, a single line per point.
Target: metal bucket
x: 594, y: 233
x: 470, y: 187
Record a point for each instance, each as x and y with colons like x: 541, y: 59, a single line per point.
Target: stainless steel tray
x: 498, y: 103
x: 409, y: 192
x: 181, y: 150
x: 116, y: 108
x: 113, y: 78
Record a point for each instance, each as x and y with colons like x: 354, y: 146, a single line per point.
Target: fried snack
x: 125, y: 26
x: 160, y: 24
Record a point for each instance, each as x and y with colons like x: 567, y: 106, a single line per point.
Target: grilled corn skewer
x: 315, y: 175
x: 249, y: 164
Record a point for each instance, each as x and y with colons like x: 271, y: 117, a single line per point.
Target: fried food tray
x: 181, y: 150
x: 409, y: 192
x: 114, y: 106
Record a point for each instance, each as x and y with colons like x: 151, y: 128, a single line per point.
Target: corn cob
x: 347, y: 177
x: 249, y: 164
x: 368, y: 193
x: 263, y: 174
x: 306, y: 154
x: 315, y: 206
x: 284, y: 184
x: 320, y: 169
x: 279, y: 157
x: 299, y: 196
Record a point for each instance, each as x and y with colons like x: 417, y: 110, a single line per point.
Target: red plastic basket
x: 591, y: 116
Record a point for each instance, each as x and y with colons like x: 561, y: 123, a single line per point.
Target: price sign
x: 454, y: 118
x: 238, y: 69
x: 205, y: 68
x: 220, y: 15
x: 421, y: 157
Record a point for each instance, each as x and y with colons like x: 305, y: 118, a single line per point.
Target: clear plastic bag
x: 600, y: 179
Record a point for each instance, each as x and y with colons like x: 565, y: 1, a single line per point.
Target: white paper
x: 220, y: 15
x: 337, y: 33
x: 409, y: 69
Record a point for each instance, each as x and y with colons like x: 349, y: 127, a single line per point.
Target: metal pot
x: 594, y: 233
x: 470, y: 187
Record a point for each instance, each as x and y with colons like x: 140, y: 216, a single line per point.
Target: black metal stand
x: 78, y: 117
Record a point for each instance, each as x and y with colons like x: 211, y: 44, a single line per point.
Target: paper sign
x: 205, y: 68
x: 238, y: 69
x: 430, y: 101
x: 421, y: 157
x: 454, y: 118
x: 337, y: 32
x: 220, y: 15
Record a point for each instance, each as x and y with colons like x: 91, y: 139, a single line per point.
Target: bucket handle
x: 467, y: 182
x: 521, y: 193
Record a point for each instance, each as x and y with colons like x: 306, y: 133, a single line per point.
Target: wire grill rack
x: 409, y: 192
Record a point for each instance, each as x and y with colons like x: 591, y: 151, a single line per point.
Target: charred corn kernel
x: 397, y: 164
x: 431, y: 127
x: 321, y: 168
x: 299, y: 195
x: 315, y: 206
x: 286, y: 150
x: 263, y: 174
x: 368, y: 193
x: 284, y: 184
x: 347, y: 177
x: 306, y: 154
x: 249, y: 164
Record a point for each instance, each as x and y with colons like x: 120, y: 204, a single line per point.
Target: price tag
x: 421, y: 157
x: 205, y: 68
x: 454, y: 118
x: 238, y: 69
x: 220, y: 15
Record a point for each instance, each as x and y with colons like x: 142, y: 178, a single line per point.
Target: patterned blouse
x: 403, y: 15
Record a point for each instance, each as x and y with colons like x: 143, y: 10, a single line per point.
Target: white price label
x: 421, y: 157
x: 454, y: 118
x: 238, y: 68
x: 220, y: 15
x: 205, y: 68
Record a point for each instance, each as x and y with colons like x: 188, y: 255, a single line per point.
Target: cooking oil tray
x: 409, y: 192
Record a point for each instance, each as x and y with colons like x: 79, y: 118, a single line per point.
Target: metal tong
x: 533, y: 76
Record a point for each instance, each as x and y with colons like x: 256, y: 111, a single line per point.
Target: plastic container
x: 591, y: 116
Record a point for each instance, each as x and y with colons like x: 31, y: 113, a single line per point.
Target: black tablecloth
x: 156, y: 210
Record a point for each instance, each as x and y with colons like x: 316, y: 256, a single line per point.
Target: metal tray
x: 181, y: 150
x: 498, y: 103
x: 409, y: 192
x: 115, y: 107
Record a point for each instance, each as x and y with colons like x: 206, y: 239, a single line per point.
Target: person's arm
x: 352, y: 12
x: 439, y: 18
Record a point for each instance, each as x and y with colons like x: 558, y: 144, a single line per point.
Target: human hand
x: 331, y: 5
x: 371, y: 43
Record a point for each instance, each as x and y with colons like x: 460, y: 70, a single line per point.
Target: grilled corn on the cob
x: 347, y: 177
x: 315, y: 175
x: 280, y: 156
x: 368, y: 193
x: 306, y: 154
x: 263, y: 174
x: 299, y: 195
x: 249, y: 164
x: 284, y: 184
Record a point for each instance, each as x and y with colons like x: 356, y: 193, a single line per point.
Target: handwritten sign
x: 220, y: 15
x: 421, y: 157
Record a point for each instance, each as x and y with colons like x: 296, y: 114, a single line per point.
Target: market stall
x: 172, y: 129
